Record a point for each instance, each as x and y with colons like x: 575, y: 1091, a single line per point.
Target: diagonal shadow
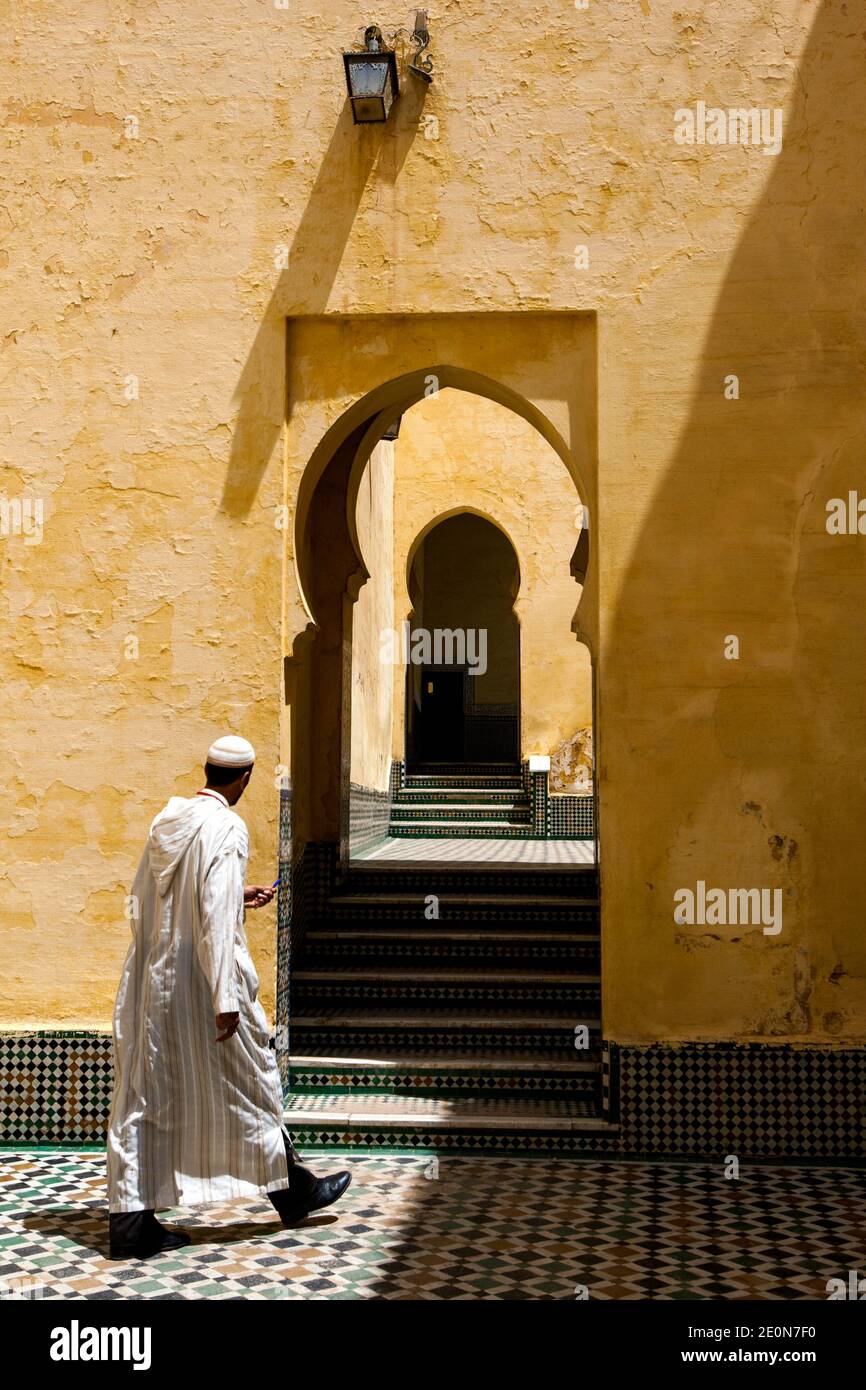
x: 354, y: 155
x: 735, y: 542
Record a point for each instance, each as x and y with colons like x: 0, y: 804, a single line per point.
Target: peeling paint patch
x: 571, y: 765
x: 783, y: 848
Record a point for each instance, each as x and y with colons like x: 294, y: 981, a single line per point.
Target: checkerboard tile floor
x: 465, y: 849
x: 465, y: 1228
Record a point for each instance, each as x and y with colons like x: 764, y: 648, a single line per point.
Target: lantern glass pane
x: 388, y: 95
x: 369, y: 79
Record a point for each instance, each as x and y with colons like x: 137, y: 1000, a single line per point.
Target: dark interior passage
x: 463, y: 680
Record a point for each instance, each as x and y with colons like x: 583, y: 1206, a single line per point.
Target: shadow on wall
x: 766, y: 755
x: 313, y: 263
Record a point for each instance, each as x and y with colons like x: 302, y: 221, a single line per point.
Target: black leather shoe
x: 137, y: 1235
x: 293, y: 1205
x: 302, y: 1180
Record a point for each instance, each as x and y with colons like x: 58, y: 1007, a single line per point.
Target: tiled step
x: 528, y: 1075
x: 458, y: 947
x: 452, y: 1123
x: 389, y: 1109
x: 473, y: 786
x: 455, y: 1032
x: 458, y: 905
x: 460, y: 796
x: 540, y: 1057
x: 461, y: 813
x: 367, y: 1032
x: 483, y: 773
x: 444, y: 805
x: 519, y: 883
x: 447, y: 989
x: 430, y: 813
x: 481, y: 912
x: 431, y: 973
x: 343, y: 916
x: 491, y: 829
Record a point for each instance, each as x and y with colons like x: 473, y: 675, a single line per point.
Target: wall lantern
x: 371, y: 77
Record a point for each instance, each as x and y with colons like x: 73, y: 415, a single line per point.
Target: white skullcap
x: 231, y: 751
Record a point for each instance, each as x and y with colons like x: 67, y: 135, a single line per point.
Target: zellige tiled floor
x: 469, y: 849
x: 455, y: 1228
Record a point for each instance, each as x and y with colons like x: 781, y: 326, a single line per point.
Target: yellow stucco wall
x: 247, y: 198
x: 374, y: 613
x: 456, y: 451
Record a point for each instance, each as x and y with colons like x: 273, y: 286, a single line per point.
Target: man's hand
x: 227, y: 1026
x: 258, y: 897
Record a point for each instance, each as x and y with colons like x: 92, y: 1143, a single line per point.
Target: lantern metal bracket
x: 422, y: 63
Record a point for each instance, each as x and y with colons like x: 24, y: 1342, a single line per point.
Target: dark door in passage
x: 442, y: 721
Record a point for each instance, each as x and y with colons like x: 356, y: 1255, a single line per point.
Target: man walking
x: 197, y: 1114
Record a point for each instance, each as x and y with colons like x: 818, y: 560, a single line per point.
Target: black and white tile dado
x: 412, y: 1227
x: 771, y: 1102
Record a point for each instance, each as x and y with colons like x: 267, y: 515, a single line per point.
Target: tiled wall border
x: 369, y: 814
x: 571, y: 817
x: 755, y: 1100
x: 557, y: 817
x: 397, y: 778
x: 55, y: 1087
x: 290, y: 887
x: 538, y: 801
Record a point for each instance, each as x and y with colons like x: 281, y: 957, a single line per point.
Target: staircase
x: 454, y: 1033
x: 490, y: 800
